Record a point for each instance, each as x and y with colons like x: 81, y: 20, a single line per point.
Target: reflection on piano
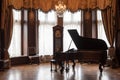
x: 87, y: 49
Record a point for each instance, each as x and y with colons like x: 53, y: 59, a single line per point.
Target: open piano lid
x: 87, y: 43
x: 75, y: 37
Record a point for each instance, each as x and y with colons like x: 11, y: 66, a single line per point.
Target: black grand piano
x: 88, y: 50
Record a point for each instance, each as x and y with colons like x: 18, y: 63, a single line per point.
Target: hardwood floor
x: 42, y: 72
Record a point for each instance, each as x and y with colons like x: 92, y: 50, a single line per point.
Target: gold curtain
x: 108, y: 16
x: 8, y: 29
x: 3, y: 13
x: 46, y: 5
x: 72, y: 5
x: 7, y: 26
x: 17, y: 4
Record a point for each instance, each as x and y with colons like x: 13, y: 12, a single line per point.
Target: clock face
x: 57, y: 34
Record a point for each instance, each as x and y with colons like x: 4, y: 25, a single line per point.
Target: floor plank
x: 42, y: 72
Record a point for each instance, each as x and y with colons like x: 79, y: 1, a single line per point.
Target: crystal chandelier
x: 60, y: 7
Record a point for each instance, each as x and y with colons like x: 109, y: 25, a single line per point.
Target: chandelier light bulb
x: 60, y: 8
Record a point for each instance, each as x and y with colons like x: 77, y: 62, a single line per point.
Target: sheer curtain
x: 70, y: 21
x: 15, y: 45
x: 47, y: 21
x: 101, y: 31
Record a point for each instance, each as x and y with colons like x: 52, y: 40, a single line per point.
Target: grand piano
x: 88, y: 50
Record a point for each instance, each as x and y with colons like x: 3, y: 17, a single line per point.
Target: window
x: 101, y: 31
x: 47, y: 21
x: 15, y: 45
x: 70, y: 21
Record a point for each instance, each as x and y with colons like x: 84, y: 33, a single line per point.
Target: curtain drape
x: 7, y: 24
x: 3, y: 13
x: 73, y: 5
x: 101, y: 28
x: 108, y: 17
x: 8, y: 31
x: 15, y: 45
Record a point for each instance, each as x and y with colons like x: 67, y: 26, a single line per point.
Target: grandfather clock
x: 57, y: 38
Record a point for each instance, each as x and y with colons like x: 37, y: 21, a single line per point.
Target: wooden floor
x: 42, y: 72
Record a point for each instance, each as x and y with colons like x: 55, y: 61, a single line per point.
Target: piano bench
x: 53, y: 62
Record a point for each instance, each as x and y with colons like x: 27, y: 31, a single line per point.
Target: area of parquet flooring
x: 42, y: 72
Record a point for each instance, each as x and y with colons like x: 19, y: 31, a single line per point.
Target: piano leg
x: 101, y: 67
x: 67, y: 66
x: 102, y: 62
x: 73, y: 66
x: 61, y: 64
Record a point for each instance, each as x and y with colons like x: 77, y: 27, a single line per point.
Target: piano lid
x: 75, y: 37
x: 87, y: 43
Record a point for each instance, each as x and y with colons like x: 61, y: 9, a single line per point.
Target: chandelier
x: 60, y: 8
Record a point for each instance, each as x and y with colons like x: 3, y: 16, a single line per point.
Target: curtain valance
x: 72, y: 5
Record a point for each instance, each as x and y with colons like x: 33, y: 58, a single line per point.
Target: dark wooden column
x: 94, y: 24
x: 87, y: 23
x: 32, y: 32
x: 60, y: 21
